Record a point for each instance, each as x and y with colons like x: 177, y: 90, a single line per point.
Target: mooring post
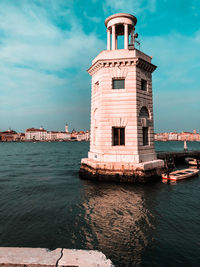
x: 185, y: 146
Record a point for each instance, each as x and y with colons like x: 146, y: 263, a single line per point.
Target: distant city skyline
x: 69, y: 127
x: 47, y: 46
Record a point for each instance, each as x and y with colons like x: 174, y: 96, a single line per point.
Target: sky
x: 46, y: 47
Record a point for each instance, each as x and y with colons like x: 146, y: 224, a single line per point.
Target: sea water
x: 43, y: 203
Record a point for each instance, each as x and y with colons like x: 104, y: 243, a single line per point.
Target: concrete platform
x: 41, y: 257
x: 178, y: 156
x: 121, y: 172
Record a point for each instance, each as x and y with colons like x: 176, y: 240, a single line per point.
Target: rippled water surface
x: 43, y: 203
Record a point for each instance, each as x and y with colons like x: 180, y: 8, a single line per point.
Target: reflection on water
x: 43, y: 203
x: 119, y: 220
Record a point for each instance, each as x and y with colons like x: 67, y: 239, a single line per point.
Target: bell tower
x: 122, y: 134
x: 66, y: 128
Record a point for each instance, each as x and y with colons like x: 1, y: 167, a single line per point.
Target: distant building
x: 188, y: 136
x: 74, y: 134
x: 87, y: 135
x: 172, y: 137
x: 58, y: 136
x: 33, y: 134
x: 63, y: 136
x: 22, y: 137
x: 9, y: 136
x: 161, y: 137
x: 80, y: 136
x: 40, y: 134
x: 83, y: 136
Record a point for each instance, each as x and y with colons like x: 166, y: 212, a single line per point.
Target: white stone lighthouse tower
x: 122, y: 135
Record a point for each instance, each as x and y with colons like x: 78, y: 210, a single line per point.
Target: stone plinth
x: 121, y: 172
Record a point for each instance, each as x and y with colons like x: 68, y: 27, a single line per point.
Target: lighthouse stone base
x: 121, y: 171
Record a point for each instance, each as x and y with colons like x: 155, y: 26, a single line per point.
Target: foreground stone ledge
x: 41, y: 257
x: 121, y: 172
x: 18, y: 257
x: 85, y: 258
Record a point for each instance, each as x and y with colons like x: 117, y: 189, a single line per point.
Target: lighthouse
x: 122, y: 133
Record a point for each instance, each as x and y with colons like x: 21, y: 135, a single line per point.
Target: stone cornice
x: 121, y: 62
x: 120, y: 15
x: 111, y: 63
x: 142, y: 64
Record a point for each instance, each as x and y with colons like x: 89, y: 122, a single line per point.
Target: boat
x: 191, y: 161
x: 180, y: 174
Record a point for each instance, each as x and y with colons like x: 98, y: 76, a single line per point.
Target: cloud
x: 176, y: 55
x: 176, y: 80
x: 92, y: 18
x: 40, y: 58
x: 34, y: 41
x: 47, y: 45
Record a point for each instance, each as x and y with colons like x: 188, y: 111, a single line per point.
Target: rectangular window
x: 118, y: 136
x: 145, y: 136
x: 143, y: 85
x: 118, y: 83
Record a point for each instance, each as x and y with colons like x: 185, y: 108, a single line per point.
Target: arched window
x: 144, y: 113
x: 95, y: 127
